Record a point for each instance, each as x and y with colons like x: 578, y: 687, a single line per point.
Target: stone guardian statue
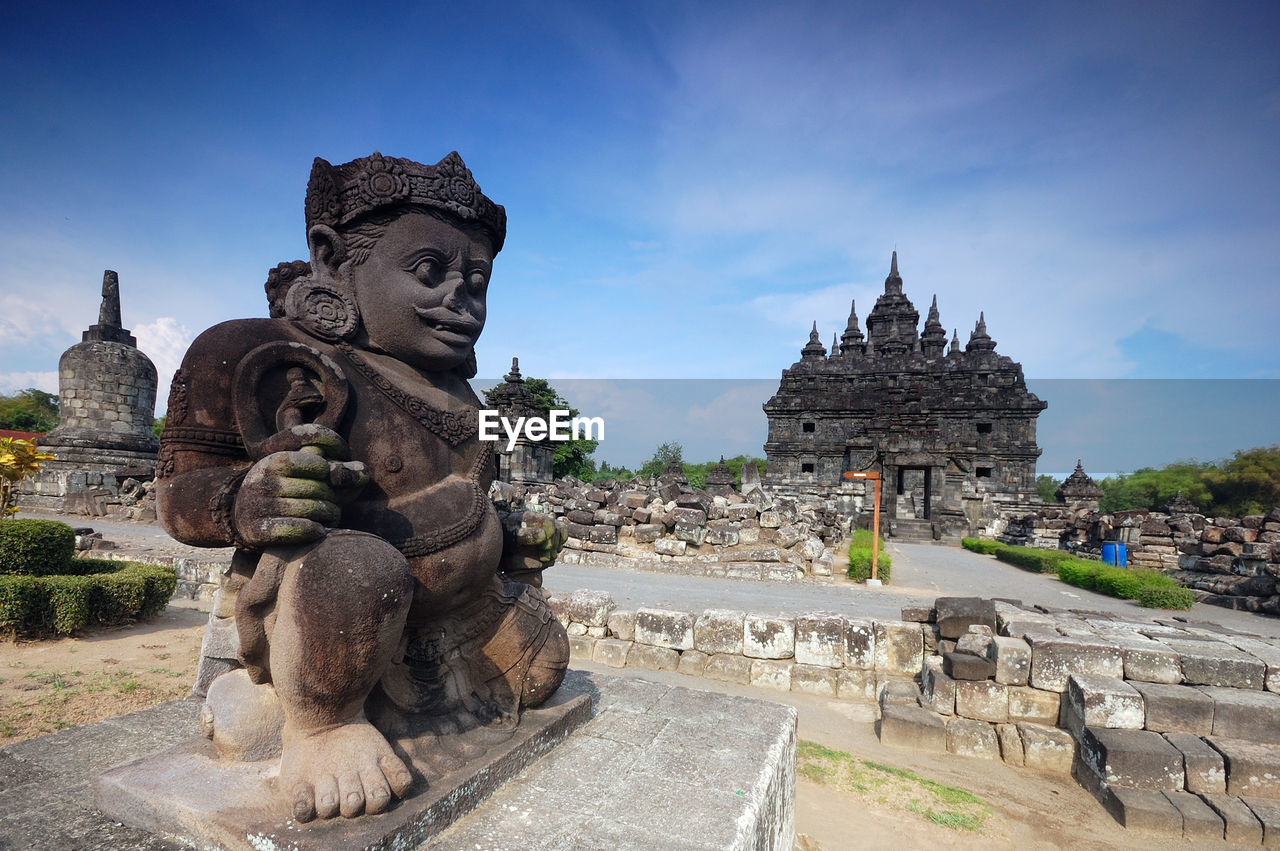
x: 336, y: 447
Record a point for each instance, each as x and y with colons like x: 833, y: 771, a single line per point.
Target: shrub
x: 1117, y: 582
x: 1030, y: 558
x: 860, y: 558
x: 99, y: 593
x: 1163, y: 597
x: 1078, y: 572
x: 35, y: 547
x: 980, y: 545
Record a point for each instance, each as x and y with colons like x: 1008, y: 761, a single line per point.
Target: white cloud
x: 11, y: 382
x: 165, y: 341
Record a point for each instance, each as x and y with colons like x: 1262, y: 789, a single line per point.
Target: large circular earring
x: 324, y: 311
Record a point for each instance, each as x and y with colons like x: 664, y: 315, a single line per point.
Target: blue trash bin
x: 1113, y: 552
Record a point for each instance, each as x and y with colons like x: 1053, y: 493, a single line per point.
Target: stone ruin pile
x: 1229, y: 562
x: 1173, y: 726
x: 665, y: 525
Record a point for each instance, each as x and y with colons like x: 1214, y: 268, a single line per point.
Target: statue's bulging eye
x: 429, y: 271
x: 477, y: 280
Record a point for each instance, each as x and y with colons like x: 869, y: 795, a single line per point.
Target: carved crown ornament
x: 338, y: 195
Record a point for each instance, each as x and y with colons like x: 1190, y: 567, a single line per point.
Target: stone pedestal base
x: 186, y: 793
x: 659, y: 766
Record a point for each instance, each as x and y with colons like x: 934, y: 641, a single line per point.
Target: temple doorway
x: 914, y: 492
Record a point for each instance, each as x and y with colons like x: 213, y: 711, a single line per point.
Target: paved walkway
x: 920, y: 573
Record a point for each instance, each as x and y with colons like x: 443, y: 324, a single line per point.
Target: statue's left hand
x: 296, y: 490
x: 531, y: 540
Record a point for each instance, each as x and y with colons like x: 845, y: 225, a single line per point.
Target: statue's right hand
x: 286, y: 499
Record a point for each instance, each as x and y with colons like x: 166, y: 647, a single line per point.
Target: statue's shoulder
x: 226, y: 343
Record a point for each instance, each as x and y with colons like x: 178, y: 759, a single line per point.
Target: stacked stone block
x: 1175, y: 727
x: 665, y: 525
x: 820, y: 653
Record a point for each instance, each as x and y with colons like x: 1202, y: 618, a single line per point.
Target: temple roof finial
x: 814, y: 347
x: 109, y: 312
x: 893, y: 265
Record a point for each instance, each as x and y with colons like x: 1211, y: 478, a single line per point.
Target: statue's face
x: 421, y: 291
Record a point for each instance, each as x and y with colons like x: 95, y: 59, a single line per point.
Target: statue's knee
x: 351, y: 572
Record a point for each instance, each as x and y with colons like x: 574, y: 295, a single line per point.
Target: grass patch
x: 948, y: 806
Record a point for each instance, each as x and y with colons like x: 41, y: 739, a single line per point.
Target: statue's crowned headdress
x: 338, y: 195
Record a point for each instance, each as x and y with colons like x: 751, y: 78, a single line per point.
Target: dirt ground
x: 48, y: 685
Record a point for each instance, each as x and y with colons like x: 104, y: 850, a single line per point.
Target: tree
x: 1046, y: 487
x: 29, y: 410
x: 607, y: 471
x: 1246, y: 483
x: 572, y: 457
x: 157, y: 427
x: 663, y: 457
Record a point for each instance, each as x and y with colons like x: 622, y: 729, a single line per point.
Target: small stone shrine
x: 106, y: 404
x: 952, y: 431
x: 529, y: 461
x: 1079, y: 491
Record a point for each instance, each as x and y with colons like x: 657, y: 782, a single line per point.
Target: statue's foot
x: 348, y: 769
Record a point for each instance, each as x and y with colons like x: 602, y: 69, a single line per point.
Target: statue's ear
x: 328, y: 251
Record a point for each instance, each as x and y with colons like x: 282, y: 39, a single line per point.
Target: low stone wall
x: 820, y: 653
x: 665, y: 520
x: 198, y: 579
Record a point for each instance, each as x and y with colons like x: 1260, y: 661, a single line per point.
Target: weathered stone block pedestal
x: 187, y: 793
x: 657, y: 766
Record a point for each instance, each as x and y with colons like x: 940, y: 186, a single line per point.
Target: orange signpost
x: 872, y: 476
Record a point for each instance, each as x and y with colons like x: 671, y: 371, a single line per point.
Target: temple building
x: 951, y: 430
x: 529, y: 461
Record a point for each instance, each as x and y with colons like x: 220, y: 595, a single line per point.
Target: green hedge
x: 35, y: 547
x: 860, y: 558
x: 981, y: 545
x: 1158, y: 597
x: 1149, y: 588
x: 1031, y: 558
x: 99, y: 593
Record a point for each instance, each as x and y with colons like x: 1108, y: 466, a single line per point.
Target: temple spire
x: 851, y: 339
x: 109, y: 327
x: 514, y: 377
x: 980, y: 340
x: 893, y: 283
x: 934, y: 338
x: 814, y: 348
x: 109, y: 312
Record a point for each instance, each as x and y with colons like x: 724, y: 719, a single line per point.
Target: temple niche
x: 951, y: 430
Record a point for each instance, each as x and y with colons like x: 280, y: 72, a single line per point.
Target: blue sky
x: 688, y: 186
